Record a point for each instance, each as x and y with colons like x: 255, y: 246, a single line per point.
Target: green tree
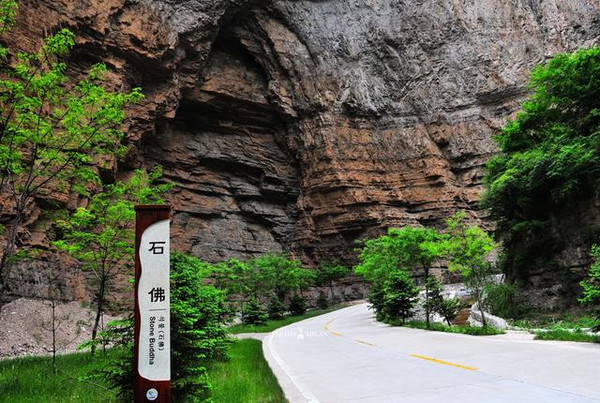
x: 420, y: 247
x: 330, y: 272
x: 236, y: 278
x: 276, y: 308
x: 468, y: 251
x: 100, y: 236
x: 322, y: 301
x: 400, y: 296
x: 281, y: 275
x: 297, y: 305
x: 51, y: 127
x: 375, y: 297
x: 254, y: 312
x: 409, y: 248
x: 549, y: 158
x: 198, y: 334
x: 379, y: 258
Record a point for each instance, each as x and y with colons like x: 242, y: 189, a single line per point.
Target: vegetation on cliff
x: 549, y: 160
x: 55, y: 131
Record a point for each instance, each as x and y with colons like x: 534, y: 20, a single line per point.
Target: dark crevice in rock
x: 227, y: 135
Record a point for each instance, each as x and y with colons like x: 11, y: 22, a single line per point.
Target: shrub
x: 276, y: 308
x: 118, y: 372
x: 446, y: 308
x: 449, y: 308
x: 198, y: 335
x: 504, y: 300
x: 297, y: 305
x: 254, y: 313
x: 375, y: 298
x: 400, y: 296
x: 591, y: 285
x: 322, y: 301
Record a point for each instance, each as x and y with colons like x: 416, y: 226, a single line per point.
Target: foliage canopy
x: 549, y: 157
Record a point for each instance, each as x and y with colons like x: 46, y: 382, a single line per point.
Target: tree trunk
x: 478, y: 295
x: 54, y: 336
x: 99, y: 307
x: 426, y: 270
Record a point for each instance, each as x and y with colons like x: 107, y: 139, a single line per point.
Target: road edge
x: 293, y: 391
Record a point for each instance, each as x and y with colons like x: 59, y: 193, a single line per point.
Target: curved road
x: 345, y: 356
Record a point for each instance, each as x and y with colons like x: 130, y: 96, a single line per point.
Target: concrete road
x: 346, y: 356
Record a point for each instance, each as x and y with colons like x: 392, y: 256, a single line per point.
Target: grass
x: 565, y: 321
x: 31, y: 380
x: 246, y: 377
x: 567, y: 335
x: 288, y: 320
x: 440, y: 327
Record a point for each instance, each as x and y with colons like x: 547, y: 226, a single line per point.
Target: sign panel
x: 152, y: 317
x: 154, y: 359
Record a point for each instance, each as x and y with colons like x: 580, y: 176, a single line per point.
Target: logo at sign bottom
x: 152, y: 394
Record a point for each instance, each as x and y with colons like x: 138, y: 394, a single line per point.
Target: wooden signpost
x: 152, y: 319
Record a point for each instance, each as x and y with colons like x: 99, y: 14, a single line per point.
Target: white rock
x: 494, y: 321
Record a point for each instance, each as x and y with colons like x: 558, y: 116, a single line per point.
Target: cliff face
x: 305, y: 125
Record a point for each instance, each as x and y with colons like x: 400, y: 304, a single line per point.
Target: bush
x: 254, y: 313
x: 375, y: 298
x: 297, y: 305
x: 118, y: 373
x: 276, y: 308
x: 504, y: 300
x: 446, y: 308
x: 322, y: 301
x: 591, y: 286
x: 400, y: 296
x: 198, y: 335
x: 449, y: 308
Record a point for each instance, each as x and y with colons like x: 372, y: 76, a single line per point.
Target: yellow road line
x: 365, y: 342
x: 444, y: 362
x: 336, y: 333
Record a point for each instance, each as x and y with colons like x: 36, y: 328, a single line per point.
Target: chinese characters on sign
x: 157, y: 250
x: 157, y: 294
x: 153, y: 300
